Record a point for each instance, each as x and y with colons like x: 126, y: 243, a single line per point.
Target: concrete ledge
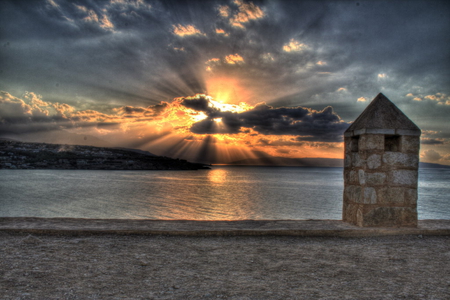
x: 306, y: 228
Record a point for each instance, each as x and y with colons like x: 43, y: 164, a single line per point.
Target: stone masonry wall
x: 380, y: 186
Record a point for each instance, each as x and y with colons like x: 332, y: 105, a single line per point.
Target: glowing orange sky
x: 165, y: 129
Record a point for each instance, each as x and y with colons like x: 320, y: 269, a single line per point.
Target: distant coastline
x: 23, y: 155
x: 308, y: 162
x: 20, y: 155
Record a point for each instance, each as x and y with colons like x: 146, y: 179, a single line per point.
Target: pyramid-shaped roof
x: 381, y: 116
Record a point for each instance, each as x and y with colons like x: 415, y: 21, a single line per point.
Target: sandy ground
x: 264, y: 267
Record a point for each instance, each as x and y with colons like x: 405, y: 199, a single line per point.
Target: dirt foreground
x: 231, y: 267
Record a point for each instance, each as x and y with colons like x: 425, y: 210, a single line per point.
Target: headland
x: 20, y: 155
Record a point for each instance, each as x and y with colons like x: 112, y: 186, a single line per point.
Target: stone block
x: 346, y: 176
x: 371, y: 142
x: 359, y: 217
x: 357, y: 161
x: 374, y: 179
x: 361, y: 177
x: 399, y: 159
x: 349, y: 211
x: 370, y: 195
x: 348, y: 145
x: 350, y: 177
x: 352, y: 193
x: 410, y: 144
x: 391, y: 195
x: 404, y: 177
x: 389, y: 216
x: 411, y: 197
x: 374, y: 161
x: 347, y: 161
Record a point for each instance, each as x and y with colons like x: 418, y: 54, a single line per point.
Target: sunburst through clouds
x: 219, y: 81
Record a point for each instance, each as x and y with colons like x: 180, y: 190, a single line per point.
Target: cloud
x: 431, y: 141
x: 247, y: 12
x: 308, y: 124
x: 432, y: 137
x: 431, y: 155
x: 187, y: 30
x: 140, y: 112
x: 221, y: 31
x: 52, y: 3
x: 33, y: 114
x: 268, y: 57
x: 105, y: 23
x: 233, y: 59
x: 90, y: 16
x: 211, y: 63
x: 224, y: 11
x: 124, y: 5
x: 362, y: 99
x: 294, y: 46
x: 438, y: 98
x: 200, y: 103
x: 35, y: 99
x: 17, y: 116
x: 13, y: 109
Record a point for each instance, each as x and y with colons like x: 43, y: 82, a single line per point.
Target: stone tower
x: 381, y: 167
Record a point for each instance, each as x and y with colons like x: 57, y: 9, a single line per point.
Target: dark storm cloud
x: 311, y: 125
x: 200, y: 103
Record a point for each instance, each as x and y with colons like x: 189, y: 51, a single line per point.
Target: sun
x: 236, y: 108
x: 228, y: 90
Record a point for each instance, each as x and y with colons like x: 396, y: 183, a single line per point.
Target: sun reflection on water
x: 217, y: 176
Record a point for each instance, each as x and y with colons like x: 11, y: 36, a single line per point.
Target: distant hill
x: 19, y: 155
x: 295, y: 162
x: 59, y: 137
x: 135, y: 151
x: 430, y: 165
x: 307, y: 162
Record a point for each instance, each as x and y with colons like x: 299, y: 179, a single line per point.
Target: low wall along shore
x: 310, y: 228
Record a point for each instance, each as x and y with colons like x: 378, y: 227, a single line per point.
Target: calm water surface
x: 222, y: 193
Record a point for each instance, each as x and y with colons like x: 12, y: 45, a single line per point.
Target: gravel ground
x: 270, y: 267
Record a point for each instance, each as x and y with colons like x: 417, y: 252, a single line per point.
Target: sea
x: 221, y: 193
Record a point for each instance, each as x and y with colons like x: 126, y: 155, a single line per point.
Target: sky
x: 220, y: 81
